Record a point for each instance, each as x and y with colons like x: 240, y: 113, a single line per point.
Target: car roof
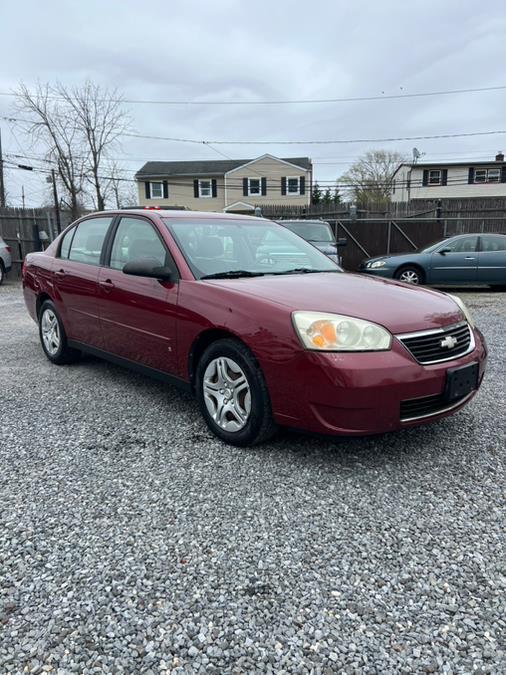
x: 182, y: 215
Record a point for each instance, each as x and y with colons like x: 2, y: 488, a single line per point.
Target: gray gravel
x: 132, y: 541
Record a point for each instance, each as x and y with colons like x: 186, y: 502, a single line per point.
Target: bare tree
x: 79, y: 127
x: 101, y: 118
x: 51, y: 125
x: 370, y: 177
x: 119, y: 190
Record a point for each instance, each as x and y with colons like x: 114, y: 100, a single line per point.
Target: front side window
x: 222, y: 247
x: 205, y: 189
x: 156, y: 190
x: 462, y: 245
x: 293, y: 185
x: 88, y: 240
x: 435, y: 177
x: 254, y: 186
x: 136, y: 240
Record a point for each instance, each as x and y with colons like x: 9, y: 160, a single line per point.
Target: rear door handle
x: 469, y: 257
x: 107, y: 285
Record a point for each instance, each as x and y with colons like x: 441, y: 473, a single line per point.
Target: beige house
x: 234, y: 186
x: 455, y: 180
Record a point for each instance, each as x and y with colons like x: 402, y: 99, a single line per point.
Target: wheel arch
x: 41, y: 299
x: 202, y: 342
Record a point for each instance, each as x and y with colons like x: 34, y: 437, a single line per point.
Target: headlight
x: 335, y: 333
x: 377, y: 263
x: 463, y: 309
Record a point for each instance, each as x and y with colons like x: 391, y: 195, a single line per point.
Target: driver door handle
x: 60, y: 273
x: 107, y: 285
x: 470, y: 257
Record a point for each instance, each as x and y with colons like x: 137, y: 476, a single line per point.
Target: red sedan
x: 260, y: 325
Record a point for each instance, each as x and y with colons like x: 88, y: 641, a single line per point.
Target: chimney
x: 499, y: 157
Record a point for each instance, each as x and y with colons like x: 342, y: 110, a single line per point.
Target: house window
x: 435, y: 177
x: 487, y: 175
x: 205, y: 189
x: 293, y: 185
x: 254, y: 186
x: 156, y: 190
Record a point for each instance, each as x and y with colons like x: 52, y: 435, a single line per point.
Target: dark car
x: 319, y: 233
x: 464, y: 259
x: 184, y: 297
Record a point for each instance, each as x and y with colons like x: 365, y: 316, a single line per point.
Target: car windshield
x: 311, y: 231
x: 241, y: 248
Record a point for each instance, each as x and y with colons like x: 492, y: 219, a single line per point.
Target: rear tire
x: 53, y: 337
x: 2, y: 273
x: 410, y: 274
x: 232, y: 394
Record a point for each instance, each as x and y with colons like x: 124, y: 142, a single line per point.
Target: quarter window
x: 65, y: 244
x: 136, y: 239
x: 205, y: 189
x: 88, y: 240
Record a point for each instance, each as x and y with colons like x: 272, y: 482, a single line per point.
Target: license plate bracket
x: 461, y: 381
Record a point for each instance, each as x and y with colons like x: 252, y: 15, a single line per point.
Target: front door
x: 138, y: 314
x: 75, y: 277
x: 455, y: 262
x: 492, y: 259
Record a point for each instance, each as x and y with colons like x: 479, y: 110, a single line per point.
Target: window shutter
x: 146, y: 190
x: 264, y: 186
x: 214, y: 188
x: 283, y: 185
x: 425, y: 179
x: 302, y: 185
x: 503, y: 173
x: 196, y: 188
x: 470, y: 178
x: 245, y: 187
x: 165, y: 190
x: 444, y: 176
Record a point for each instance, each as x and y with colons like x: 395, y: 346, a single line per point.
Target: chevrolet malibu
x: 262, y: 341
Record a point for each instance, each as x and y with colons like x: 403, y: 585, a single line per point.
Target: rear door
x: 75, y: 279
x: 138, y: 314
x: 492, y: 259
x: 457, y: 266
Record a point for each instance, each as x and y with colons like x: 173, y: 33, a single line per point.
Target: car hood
x: 398, y: 307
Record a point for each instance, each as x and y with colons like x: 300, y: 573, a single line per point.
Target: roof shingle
x: 212, y: 167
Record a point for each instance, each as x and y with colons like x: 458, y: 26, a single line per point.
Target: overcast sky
x: 265, y: 50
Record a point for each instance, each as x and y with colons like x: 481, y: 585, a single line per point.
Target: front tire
x: 233, y: 395
x: 2, y: 273
x: 410, y: 275
x: 53, y: 337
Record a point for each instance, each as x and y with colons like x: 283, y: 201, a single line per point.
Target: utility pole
x: 23, y: 195
x: 2, y: 186
x: 56, y: 203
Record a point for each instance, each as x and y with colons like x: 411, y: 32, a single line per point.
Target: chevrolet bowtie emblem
x: 449, y: 342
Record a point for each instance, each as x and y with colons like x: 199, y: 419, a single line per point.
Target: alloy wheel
x: 410, y: 277
x: 227, y: 394
x: 50, y: 332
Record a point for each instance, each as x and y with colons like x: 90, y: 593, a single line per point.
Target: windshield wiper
x: 302, y: 270
x: 233, y: 274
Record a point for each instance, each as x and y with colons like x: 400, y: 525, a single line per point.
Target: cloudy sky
x: 232, y: 50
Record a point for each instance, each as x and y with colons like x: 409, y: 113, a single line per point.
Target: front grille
x: 432, y: 346
x: 427, y: 405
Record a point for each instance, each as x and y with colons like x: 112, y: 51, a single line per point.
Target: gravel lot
x: 132, y: 541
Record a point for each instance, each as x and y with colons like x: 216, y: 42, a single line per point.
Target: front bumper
x: 362, y: 393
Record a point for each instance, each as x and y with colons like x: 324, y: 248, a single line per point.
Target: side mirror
x: 342, y: 242
x: 146, y: 268
x: 444, y: 251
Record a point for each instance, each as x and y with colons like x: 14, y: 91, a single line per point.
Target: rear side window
x: 493, y: 243
x: 88, y: 240
x: 65, y: 244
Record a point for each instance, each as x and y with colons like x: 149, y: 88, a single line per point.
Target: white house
x: 454, y: 180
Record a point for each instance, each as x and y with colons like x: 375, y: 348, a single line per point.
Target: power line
x: 345, y: 99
